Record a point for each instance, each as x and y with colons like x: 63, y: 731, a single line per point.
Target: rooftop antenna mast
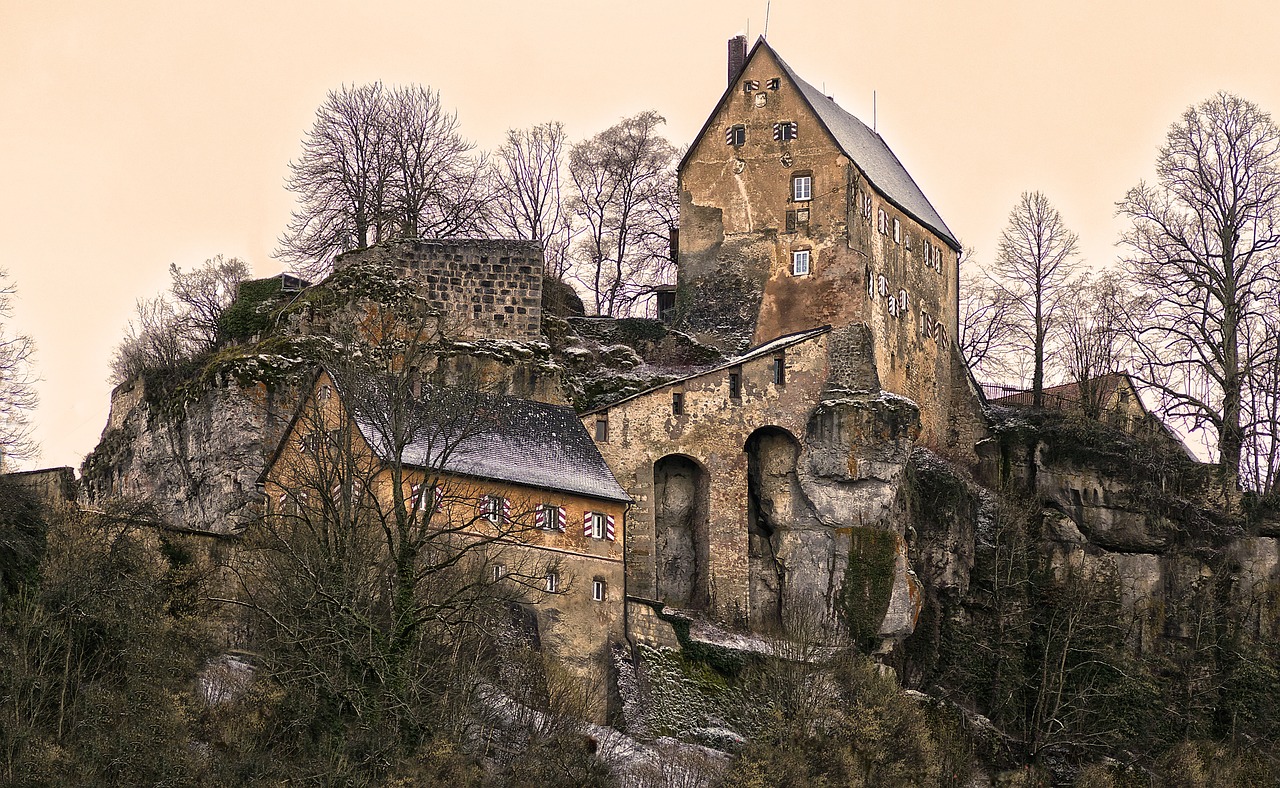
x: 874, y: 117
x: 766, y: 19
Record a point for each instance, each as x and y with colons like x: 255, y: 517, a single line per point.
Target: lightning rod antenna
x: 766, y: 19
x: 874, y: 116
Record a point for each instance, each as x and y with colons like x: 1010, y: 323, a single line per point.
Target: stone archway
x: 681, y: 497
x: 773, y: 494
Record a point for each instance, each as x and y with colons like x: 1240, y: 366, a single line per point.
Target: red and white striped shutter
x: 506, y: 510
x: 439, y: 496
x: 415, y: 492
x: 540, y: 517
x: 608, y: 528
x: 560, y: 519
x: 586, y: 524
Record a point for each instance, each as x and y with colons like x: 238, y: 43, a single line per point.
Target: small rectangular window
x: 774, y: 83
x: 897, y: 231
x: 597, y: 590
x: 735, y: 135
x: 800, y: 262
x: 780, y: 370
x: 787, y: 130
x: 735, y: 385
x: 602, y: 430
x: 597, y: 525
x: 498, y: 571
x: 750, y: 85
x: 677, y: 403
x: 553, y: 582
x: 802, y: 188
x: 549, y: 517
x: 492, y: 508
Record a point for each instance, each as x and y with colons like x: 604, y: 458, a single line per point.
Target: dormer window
x: 802, y: 188
x: 787, y: 130
x: 750, y: 86
x: 735, y: 135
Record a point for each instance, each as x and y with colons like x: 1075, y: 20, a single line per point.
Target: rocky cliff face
x: 197, y: 462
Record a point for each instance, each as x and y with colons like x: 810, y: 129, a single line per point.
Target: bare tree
x: 203, y: 294
x: 1092, y: 336
x: 437, y: 189
x: 180, y: 325
x: 529, y: 198
x: 371, y: 579
x: 988, y: 333
x: 1202, y: 254
x: 1037, y: 256
x: 17, y: 383
x: 341, y: 179
x: 624, y: 200
x: 380, y: 163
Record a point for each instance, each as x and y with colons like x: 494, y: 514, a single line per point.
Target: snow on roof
x: 503, y: 438
x: 870, y: 152
x: 768, y: 348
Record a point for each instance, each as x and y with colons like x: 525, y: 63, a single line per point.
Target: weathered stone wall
x: 787, y: 472
x: 740, y: 225
x: 482, y: 287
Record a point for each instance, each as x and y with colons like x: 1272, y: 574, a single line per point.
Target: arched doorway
x: 772, y: 497
x: 681, y: 495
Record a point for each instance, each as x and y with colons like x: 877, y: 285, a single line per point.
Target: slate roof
x: 870, y: 152
x: 865, y: 147
x: 502, y: 438
x: 750, y: 354
x: 1056, y: 396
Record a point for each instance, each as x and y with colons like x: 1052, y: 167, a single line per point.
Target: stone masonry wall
x: 484, y: 288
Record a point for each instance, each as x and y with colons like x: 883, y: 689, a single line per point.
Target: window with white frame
x: 491, y: 508
x: 800, y: 262
x: 897, y: 231
x: 735, y: 135
x: 498, y: 571
x: 597, y: 525
x: 802, y: 188
x: 553, y: 582
x: 549, y: 517
x: 787, y: 130
x: 597, y: 590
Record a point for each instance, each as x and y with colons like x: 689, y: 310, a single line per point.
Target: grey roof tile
x: 869, y: 151
x: 501, y: 438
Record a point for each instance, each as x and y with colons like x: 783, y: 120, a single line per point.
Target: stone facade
x: 484, y: 288
x: 749, y: 483
x: 749, y: 204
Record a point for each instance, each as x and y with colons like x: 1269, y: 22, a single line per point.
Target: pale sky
x: 136, y: 134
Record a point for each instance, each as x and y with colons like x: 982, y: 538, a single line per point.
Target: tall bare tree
x: 988, y: 333
x: 1201, y: 250
x: 380, y: 163
x: 17, y: 383
x: 529, y: 200
x: 1037, y: 255
x: 624, y: 198
x: 1092, y: 336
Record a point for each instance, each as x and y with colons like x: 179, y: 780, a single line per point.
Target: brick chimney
x: 737, y: 56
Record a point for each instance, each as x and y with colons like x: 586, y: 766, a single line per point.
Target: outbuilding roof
x: 496, y: 437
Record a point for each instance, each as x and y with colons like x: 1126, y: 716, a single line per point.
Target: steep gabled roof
x: 501, y: 438
x: 864, y: 147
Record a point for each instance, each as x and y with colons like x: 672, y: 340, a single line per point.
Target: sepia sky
x: 135, y: 134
